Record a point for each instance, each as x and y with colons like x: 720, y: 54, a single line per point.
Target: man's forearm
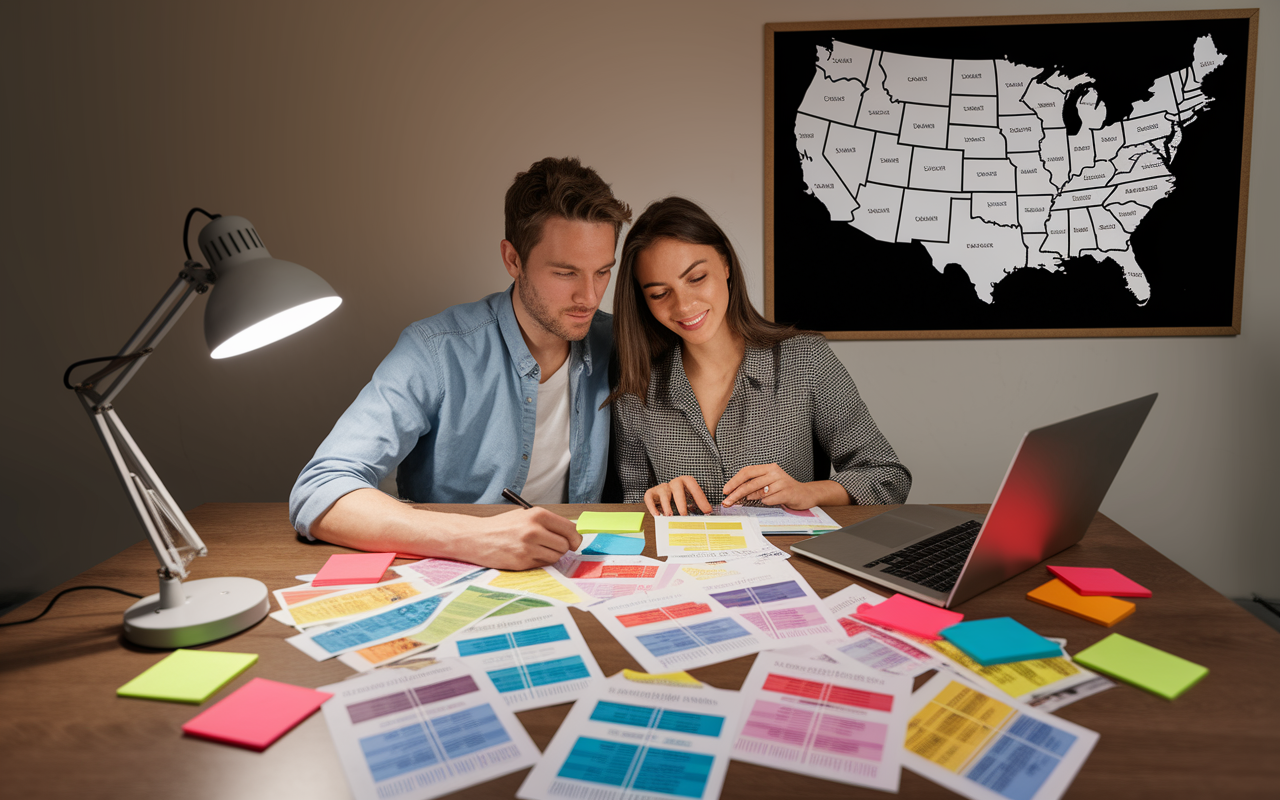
x: 367, y: 519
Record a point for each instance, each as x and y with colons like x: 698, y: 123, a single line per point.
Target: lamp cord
x: 186, y: 228
x: 60, y: 594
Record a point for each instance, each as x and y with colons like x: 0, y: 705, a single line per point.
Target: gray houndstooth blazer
x: 783, y: 399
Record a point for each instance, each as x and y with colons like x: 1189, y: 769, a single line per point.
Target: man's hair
x: 558, y: 187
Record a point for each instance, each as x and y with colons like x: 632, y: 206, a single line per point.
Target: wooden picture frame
x: 831, y: 275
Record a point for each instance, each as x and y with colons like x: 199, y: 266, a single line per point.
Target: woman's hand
x: 771, y: 485
x: 675, y: 493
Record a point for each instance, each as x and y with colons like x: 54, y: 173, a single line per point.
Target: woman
x: 717, y: 404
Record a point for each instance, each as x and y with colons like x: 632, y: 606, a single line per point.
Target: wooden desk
x: 64, y: 733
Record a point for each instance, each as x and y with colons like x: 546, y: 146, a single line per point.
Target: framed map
x: 1048, y: 176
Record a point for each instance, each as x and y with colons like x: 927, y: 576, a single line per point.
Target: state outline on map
x: 1071, y: 161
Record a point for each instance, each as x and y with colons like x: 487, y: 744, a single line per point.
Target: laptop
x: 1053, y: 488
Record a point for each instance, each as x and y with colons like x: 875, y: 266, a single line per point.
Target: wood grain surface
x: 65, y: 734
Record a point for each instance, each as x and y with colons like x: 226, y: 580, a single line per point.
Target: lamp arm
x: 152, y: 504
x: 194, y: 279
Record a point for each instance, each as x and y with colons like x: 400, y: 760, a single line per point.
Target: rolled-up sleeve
x: 864, y: 461
x: 375, y: 433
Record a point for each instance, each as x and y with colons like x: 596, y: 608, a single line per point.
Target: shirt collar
x: 519, y: 349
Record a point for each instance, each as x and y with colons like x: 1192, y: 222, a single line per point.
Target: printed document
x: 374, y: 627
x: 777, y: 601
x: 534, y: 659
x: 677, y: 629
x: 831, y: 718
x: 707, y: 538
x: 626, y: 739
x: 962, y: 737
x: 415, y: 735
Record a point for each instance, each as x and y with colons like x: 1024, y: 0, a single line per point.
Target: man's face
x: 566, y: 274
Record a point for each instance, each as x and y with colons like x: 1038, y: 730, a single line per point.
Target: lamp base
x: 213, y: 608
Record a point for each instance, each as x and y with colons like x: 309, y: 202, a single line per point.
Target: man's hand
x: 665, y: 495
x: 367, y: 519
x: 519, y: 539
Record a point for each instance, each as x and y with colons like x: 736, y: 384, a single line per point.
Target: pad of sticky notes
x: 1142, y: 665
x: 1090, y: 581
x: 353, y: 568
x: 1105, y: 611
x: 611, y: 521
x: 612, y: 544
x: 256, y: 714
x: 1000, y: 640
x: 908, y: 615
x: 188, y: 676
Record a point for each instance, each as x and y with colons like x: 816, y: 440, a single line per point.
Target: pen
x: 515, y: 498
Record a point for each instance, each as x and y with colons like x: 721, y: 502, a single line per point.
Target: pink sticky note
x: 341, y: 570
x: 909, y: 615
x: 256, y: 714
x: 1091, y: 581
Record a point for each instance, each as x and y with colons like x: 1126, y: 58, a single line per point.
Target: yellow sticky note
x: 610, y: 521
x: 188, y: 676
x: 668, y: 678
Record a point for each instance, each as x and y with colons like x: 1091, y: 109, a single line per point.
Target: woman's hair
x: 639, y: 338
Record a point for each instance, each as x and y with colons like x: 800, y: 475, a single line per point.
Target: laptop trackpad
x: 891, y: 531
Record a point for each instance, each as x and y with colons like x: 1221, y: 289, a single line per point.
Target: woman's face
x: 686, y: 287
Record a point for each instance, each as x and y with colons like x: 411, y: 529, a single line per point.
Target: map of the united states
x: 973, y: 159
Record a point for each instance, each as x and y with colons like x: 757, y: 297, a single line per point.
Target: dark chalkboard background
x: 831, y: 277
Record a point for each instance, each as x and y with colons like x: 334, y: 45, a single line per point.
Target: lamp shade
x: 257, y: 299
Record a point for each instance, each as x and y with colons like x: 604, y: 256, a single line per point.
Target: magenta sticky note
x: 1091, y: 581
x: 349, y: 568
x: 256, y: 714
x: 909, y: 615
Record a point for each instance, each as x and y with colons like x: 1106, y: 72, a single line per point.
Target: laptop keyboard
x: 934, y: 562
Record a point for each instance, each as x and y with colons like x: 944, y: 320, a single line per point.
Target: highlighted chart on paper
x: 776, y: 601
x: 840, y: 721
x: 982, y: 748
x: 440, y: 571
x: 376, y: 627
x: 707, y: 538
x: 676, y: 629
x: 624, y: 739
x: 421, y: 734
x: 533, y: 660
x: 464, y: 608
x: 606, y: 577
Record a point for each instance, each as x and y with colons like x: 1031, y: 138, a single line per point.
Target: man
x: 501, y: 393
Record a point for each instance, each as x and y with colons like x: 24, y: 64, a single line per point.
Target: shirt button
x: 525, y: 457
x: 528, y: 399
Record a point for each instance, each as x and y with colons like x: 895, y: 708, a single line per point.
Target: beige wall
x: 373, y: 141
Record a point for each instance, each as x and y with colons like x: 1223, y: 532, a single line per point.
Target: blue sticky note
x: 610, y: 544
x: 1001, y: 640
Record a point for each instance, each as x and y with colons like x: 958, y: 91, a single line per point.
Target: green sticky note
x: 611, y: 521
x: 1142, y: 665
x: 188, y: 676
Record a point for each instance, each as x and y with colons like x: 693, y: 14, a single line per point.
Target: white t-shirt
x: 549, y: 462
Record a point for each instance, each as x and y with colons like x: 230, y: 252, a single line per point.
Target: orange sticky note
x: 353, y: 568
x: 1090, y: 581
x: 909, y: 615
x: 256, y: 714
x: 1105, y: 611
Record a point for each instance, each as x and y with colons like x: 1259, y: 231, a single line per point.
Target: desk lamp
x: 259, y: 299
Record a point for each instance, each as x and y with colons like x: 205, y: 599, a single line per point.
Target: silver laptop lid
x: 1049, y: 496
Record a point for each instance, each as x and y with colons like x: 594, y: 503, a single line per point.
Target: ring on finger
x: 766, y: 489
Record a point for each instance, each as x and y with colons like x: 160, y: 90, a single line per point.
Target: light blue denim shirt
x: 454, y: 405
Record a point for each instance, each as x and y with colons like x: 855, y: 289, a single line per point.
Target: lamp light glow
x: 277, y: 327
